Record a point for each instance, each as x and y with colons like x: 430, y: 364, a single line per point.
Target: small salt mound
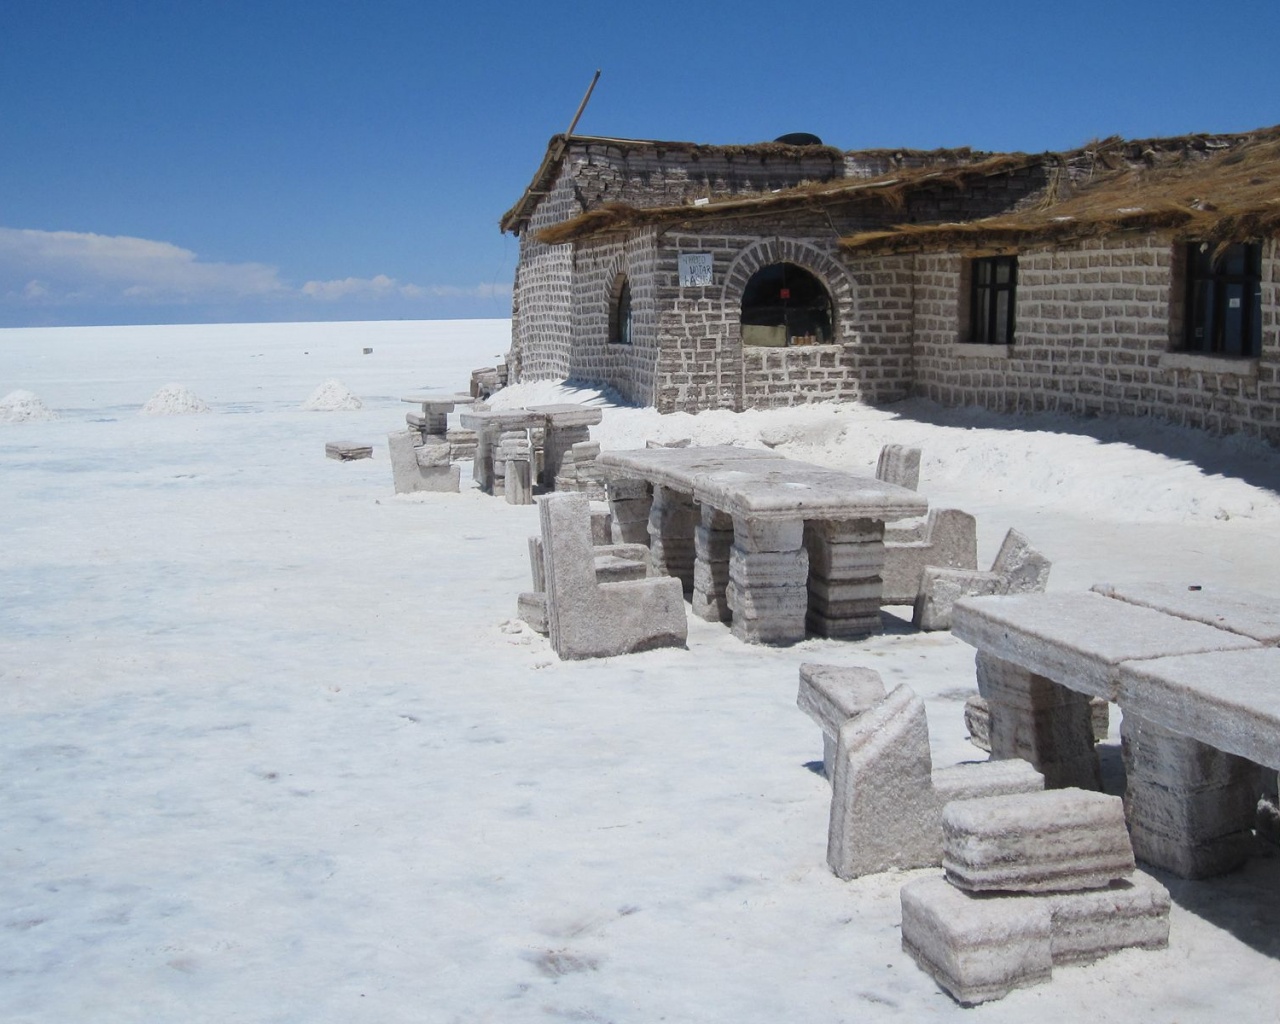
x: 173, y: 400
x: 331, y: 396
x: 24, y: 407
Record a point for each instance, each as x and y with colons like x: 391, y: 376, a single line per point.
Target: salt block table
x: 771, y: 544
x: 1195, y: 677
x: 489, y: 425
x: 563, y: 426
x: 433, y: 420
x: 566, y: 424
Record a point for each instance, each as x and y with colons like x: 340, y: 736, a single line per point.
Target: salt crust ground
x: 273, y: 749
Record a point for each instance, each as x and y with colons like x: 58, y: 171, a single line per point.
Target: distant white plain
x: 273, y: 748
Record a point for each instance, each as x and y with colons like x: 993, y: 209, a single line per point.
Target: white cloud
x: 61, y: 267
x: 383, y: 286
x: 71, y: 268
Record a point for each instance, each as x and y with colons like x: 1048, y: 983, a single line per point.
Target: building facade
x: 1137, y: 278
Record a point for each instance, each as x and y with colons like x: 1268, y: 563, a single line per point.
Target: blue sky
x: 192, y: 161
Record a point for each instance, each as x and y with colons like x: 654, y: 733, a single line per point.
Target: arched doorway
x: 784, y: 304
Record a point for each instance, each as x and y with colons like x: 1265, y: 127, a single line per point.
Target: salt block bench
x: 1199, y: 712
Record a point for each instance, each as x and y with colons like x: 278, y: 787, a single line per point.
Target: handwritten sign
x: 695, y: 269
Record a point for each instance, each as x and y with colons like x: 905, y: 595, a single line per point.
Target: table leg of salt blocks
x: 845, y: 561
x: 1036, y: 719
x: 630, y: 502
x: 768, y: 576
x: 712, y: 542
x: 1191, y: 808
x: 517, y: 482
x: 556, y: 442
x: 482, y: 464
x: 672, y: 519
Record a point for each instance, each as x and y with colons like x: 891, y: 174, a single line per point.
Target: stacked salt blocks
x: 844, y: 561
x: 673, y: 517
x: 1031, y: 880
x: 768, y: 592
x: 462, y: 444
x: 418, y: 465
x: 578, y: 471
x: 513, y: 464
x: 712, y: 544
x: 1191, y: 809
x: 630, y: 503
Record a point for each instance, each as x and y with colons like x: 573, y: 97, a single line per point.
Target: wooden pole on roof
x: 582, y: 106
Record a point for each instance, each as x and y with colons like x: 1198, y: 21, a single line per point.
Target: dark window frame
x: 984, y: 284
x: 1209, y: 328
x: 621, y: 315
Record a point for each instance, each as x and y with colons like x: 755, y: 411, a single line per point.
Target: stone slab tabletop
x: 1079, y: 639
x: 1250, y: 614
x: 568, y: 414
x: 438, y: 403
x: 762, y: 485
x: 1227, y: 699
x: 501, y: 419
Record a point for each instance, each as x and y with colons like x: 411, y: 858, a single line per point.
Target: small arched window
x: 620, y: 311
x: 784, y: 304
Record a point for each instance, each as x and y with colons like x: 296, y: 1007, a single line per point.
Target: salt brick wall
x: 541, y: 313
x: 628, y: 368
x: 653, y: 176
x: 1094, y: 321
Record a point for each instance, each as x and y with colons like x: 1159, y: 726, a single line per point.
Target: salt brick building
x: 1135, y: 278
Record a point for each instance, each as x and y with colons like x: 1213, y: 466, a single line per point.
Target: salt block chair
x: 1018, y: 569
x: 899, y: 465
x: 949, y: 540
x: 590, y: 619
x: 887, y: 799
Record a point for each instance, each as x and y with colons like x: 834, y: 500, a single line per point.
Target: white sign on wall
x: 695, y: 269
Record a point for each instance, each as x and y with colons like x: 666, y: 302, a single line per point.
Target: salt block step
x: 978, y: 948
x: 1060, y: 839
x: 981, y: 946
x: 348, y: 451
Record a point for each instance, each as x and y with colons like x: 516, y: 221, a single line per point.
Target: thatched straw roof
x: 887, y: 191
x: 1229, y: 192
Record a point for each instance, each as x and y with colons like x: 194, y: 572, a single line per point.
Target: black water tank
x: 799, y: 139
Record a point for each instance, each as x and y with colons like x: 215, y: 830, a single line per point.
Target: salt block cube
x: 978, y: 948
x: 1094, y: 923
x: 1056, y: 840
